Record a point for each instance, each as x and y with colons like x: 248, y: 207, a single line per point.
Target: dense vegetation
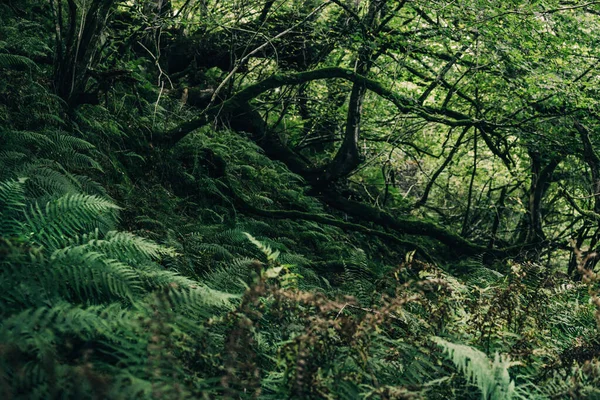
x: 288, y: 199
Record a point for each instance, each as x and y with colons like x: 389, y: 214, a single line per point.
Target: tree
x: 79, y: 43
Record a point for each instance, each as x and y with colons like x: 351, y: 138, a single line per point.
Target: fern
x: 11, y: 160
x: 126, y: 246
x: 265, y: 249
x: 25, y: 139
x: 89, y: 288
x: 48, y: 179
x: 58, y: 220
x: 491, y: 377
x: 83, y: 275
x: 12, y: 202
x: 11, y: 61
x: 217, y: 250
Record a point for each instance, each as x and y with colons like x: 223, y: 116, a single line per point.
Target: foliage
x: 491, y: 377
x: 259, y: 199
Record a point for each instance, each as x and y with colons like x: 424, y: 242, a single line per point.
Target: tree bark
x: 591, y: 158
x: 78, y: 45
x: 532, y: 231
x: 406, y: 225
x: 404, y: 104
x: 437, y: 173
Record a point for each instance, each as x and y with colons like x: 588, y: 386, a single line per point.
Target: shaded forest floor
x: 219, y: 300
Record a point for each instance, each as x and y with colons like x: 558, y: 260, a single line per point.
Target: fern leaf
x: 83, y: 275
x: 12, y: 203
x: 66, y: 217
x: 491, y: 377
x: 12, y: 61
x: 265, y: 249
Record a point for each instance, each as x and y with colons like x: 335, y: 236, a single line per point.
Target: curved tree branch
x: 403, y: 104
x: 437, y: 173
x: 408, y: 225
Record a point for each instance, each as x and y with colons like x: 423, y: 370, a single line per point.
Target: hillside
x: 299, y: 200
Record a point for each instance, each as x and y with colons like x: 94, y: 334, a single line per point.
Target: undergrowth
x: 130, y: 270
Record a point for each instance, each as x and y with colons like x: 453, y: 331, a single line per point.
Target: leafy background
x: 135, y: 267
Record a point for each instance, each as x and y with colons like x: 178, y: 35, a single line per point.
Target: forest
x: 284, y: 199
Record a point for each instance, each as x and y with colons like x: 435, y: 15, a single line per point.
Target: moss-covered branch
x: 403, y: 104
x: 328, y: 220
x: 404, y: 225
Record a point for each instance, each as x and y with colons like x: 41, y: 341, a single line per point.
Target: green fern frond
x: 491, y: 377
x: 482, y: 276
x: 149, y: 222
x: 314, y: 236
x: 25, y: 139
x: 89, y: 186
x: 75, y: 160
x: 232, y: 275
x: 34, y: 335
x: 216, y: 250
x: 241, y: 263
x: 265, y: 249
x: 126, y: 246
x: 69, y: 152
x: 12, y: 197
x: 181, y: 288
x: 62, y: 317
x: 66, y: 217
x: 47, y: 118
x: 12, y: 61
x: 47, y: 179
x: 63, y: 142
x: 294, y: 259
x: 261, y: 200
x: 231, y: 235
x: 12, y: 204
x: 97, y: 118
x: 198, y: 298
x: 82, y: 275
x: 10, y: 160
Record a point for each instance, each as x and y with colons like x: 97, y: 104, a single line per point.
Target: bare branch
x: 260, y: 48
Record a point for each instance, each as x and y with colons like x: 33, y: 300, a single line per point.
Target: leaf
x: 273, y: 272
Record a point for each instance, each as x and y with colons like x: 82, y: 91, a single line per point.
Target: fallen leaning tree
x: 241, y: 116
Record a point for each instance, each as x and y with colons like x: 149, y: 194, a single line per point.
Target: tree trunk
x: 592, y: 159
x: 348, y: 156
x: 78, y: 46
x: 541, y: 175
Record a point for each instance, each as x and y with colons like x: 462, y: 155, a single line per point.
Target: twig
x: 586, y: 213
x: 162, y: 87
x: 259, y: 48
